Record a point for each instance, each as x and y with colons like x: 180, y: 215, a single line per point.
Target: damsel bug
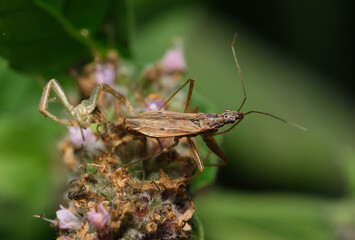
x: 160, y: 124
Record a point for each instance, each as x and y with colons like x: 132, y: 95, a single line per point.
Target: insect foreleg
x: 213, y: 146
x: 196, y: 156
x: 43, y: 105
x: 191, y: 87
x: 95, y: 95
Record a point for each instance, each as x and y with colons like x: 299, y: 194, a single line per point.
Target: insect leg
x: 95, y: 95
x: 43, y: 105
x: 235, y: 124
x: 213, y: 146
x: 160, y: 145
x: 176, y: 142
x: 196, y: 157
x: 191, y: 87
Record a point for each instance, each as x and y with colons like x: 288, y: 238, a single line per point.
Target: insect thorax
x: 82, y: 113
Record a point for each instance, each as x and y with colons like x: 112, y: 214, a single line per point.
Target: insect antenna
x: 239, y: 71
x: 245, y: 97
x: 280, y: 119
x: 242, y: 80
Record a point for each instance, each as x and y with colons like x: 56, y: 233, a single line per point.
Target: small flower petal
x: 98, y: 216
x: 105, y: 73
x: 154, y: 105
x: 67, y: 220
x: 173, y: 60
x: 90, y: 139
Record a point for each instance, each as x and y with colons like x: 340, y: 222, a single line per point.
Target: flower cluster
x: 148, y: 200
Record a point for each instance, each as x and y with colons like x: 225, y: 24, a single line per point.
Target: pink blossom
x: 105, y: 73
x: 90, y: 140
x: 67, y: 220
x: 154, y: 105
x: 173, y: 60
x: 98, y: 216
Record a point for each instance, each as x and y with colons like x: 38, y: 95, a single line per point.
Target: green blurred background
x: 282, y: 183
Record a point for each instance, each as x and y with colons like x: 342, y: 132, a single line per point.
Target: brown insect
x: 164, y: 124
x: 167, y: 124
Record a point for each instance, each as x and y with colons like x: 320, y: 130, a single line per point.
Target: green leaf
x: 33, y: 41
x: 120, y: 26
x: 48, y: 37
x: 197, y: 228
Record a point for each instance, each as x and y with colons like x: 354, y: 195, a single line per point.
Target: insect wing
x: 163, y: 124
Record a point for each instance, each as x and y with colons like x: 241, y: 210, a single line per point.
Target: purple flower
x: 154, y: 105
x: 173, y: 60
x: 98, y: 216
x: 90, y: 139
x: 105, y: 73
x: 67, y: 220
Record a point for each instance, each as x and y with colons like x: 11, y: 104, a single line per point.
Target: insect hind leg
x: 188, y: 100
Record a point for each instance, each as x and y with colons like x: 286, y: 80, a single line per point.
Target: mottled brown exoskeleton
x: 161, y: 124
x: 167, y: 124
